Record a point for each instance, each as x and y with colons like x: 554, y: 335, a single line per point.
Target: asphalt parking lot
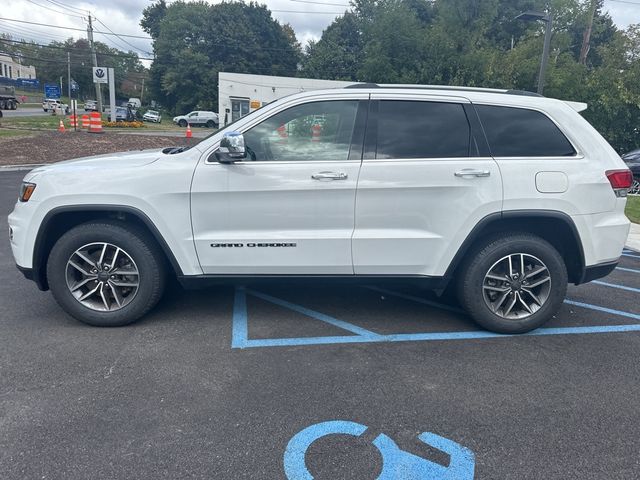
x: 338, y: 382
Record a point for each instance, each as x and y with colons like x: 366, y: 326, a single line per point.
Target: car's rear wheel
x: 106, y: 274
x: 513, y: 283
x: 211, y: 124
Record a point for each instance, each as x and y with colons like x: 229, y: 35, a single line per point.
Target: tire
x: 182, y: 123
x: 135, y: 245
x: 211, y: 124
x: 476, y: 289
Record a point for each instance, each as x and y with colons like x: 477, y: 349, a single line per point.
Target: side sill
x: 204, y: 281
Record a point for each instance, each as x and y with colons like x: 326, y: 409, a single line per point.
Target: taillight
x: 620, y: 180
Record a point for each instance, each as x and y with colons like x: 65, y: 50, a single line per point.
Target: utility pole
x: 95, y: 63
x: 69, y: 76
x: 142, y: 91
x: 586, y: 38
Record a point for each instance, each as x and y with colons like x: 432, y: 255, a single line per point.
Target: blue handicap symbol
x: 396, y: 463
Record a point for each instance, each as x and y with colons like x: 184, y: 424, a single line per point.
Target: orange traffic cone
x: 189, y: 134
x: 61, y: 127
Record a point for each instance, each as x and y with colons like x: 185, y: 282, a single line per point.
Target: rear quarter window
x: 518, y: 132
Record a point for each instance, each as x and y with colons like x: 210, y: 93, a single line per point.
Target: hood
x: 102, y: 162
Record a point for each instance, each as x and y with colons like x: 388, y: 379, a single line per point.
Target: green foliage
x: 197, y: 40
x: 479, y: 43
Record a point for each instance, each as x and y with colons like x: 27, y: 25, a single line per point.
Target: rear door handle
x: 329, y: 176
x: 470, y: 172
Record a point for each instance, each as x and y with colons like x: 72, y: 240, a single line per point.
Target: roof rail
x: 445, y: 87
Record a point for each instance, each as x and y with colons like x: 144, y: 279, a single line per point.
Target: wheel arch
x: 61, y: 219
x: 555, y: 227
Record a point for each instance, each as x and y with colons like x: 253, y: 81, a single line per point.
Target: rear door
x: 426, y: 180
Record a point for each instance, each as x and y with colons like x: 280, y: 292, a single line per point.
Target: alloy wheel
x: 102, y: 277
x: 516, y: 286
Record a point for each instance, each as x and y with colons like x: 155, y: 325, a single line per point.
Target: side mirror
x: 231, y: 148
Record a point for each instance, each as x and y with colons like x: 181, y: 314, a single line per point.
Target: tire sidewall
x: 472, y: 295
x: 150, y: 275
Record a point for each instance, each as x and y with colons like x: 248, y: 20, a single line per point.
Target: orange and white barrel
x: 74, y: 121
x: 315, y: 133
x: 85, y: 121
x: 95, y: 123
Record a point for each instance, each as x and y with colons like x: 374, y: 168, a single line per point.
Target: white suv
x: 500, y: 196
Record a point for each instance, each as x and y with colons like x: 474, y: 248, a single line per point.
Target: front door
x: 288, y: 207
x: 427, y: 179
x: 239, y: 108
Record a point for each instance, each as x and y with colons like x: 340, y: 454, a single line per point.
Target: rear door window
x: 414, y: 129
x: 519, y: 132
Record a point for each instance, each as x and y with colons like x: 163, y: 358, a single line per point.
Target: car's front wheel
x: 513, y: 283
x: 105, y: 273
x: 182, y: 123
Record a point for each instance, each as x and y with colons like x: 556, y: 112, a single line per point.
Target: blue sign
x: 396, y: 463
x: 28, y: 82
x: 52, y: 91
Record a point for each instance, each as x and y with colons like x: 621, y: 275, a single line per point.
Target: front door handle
x: 329, y: 176
x: 470, y: 172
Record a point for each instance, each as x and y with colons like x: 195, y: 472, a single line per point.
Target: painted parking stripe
x: 629, y: 255
x: 313, y: 314
x: 440, y: 336
x: 615, y: 285
x: 632, y: 270
x: 240, y: 337
x: 240, y: 330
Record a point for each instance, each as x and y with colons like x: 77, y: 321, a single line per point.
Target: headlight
x: 26, y: 190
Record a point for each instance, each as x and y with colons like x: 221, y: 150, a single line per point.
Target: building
x: 242, y: 93
x: 12, y: 69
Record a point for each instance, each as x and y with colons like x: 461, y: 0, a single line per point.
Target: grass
x: 6, y: 133
x: 633, y: 208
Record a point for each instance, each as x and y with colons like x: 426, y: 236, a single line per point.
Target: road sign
x: 74, y: 86
x: 100, y: 75
x: 52, y: 90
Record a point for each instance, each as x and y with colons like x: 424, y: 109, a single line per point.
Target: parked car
x: 90, y: 106
x: 632, y: 159
x: 198, y: 118
x: 152, y: 116
x: 53, y: 105
x: 500, y: 197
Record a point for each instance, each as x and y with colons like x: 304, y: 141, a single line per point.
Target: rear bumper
x: 593, y: 272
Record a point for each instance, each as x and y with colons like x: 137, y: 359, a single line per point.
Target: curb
x: 17, y: 168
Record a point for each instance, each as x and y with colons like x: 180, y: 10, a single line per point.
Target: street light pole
x: 547, y: 19
x: 545, y: 53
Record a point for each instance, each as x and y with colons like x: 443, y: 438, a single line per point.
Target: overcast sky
x: 123, y: 16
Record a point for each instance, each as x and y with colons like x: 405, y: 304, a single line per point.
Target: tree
x: 337, y: 55
x: 196, y: 40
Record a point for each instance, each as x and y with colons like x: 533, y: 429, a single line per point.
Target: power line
x: 55, y: 47
x: 122, y: 39
x: 625, y: 1
x: 321, y: 3
x: 73, y: 29
x: 64, y: 5
x: 53, y: 10
x: 15, y: 30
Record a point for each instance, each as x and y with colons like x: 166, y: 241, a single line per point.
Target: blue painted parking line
x: 632, y: 270
x: 615, y: 285
x: 240, y: 338
x: 313, y: 314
